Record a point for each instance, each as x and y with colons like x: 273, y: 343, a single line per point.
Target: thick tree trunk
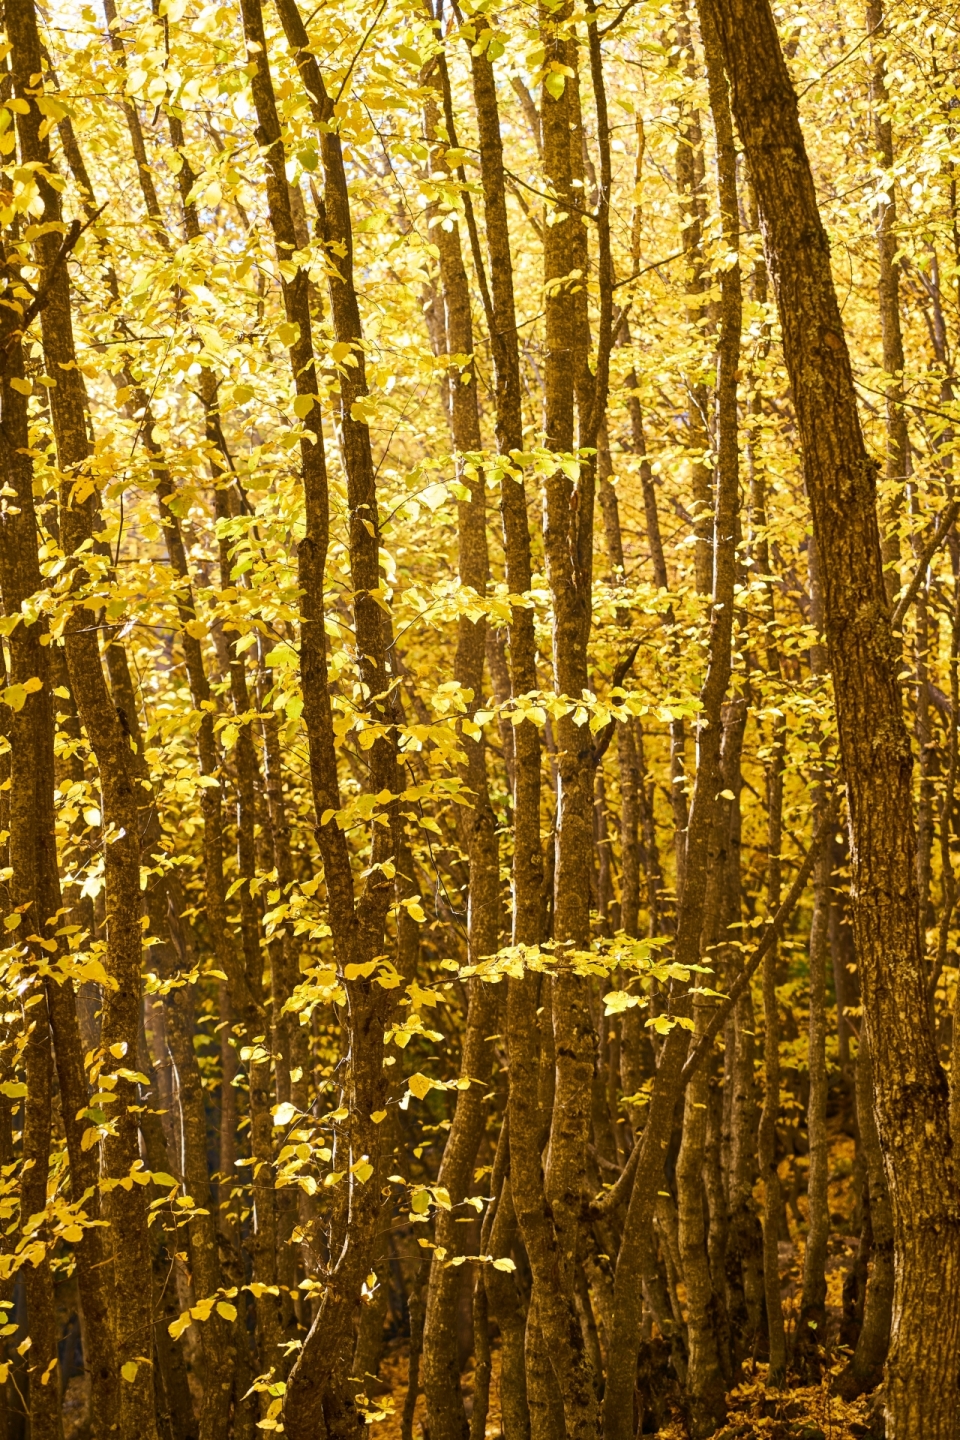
x: 921, y: 1386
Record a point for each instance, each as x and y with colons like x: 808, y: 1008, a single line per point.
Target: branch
x: 771, y: 936
x: 521, y: 201
x: 475, y: 248
x: 621, y: 13
x: 644, y: 269
x: 619, y: 675
x: 933, y: 545
x: 67, y: 244
x: 619, y: 1191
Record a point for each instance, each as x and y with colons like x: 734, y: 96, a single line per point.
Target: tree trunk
x: 121, y: 1009
x: 921, y: 1386
x: 441, y: 1362
x: 888, y: 288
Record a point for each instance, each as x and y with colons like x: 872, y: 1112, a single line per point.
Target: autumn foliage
x: 479, y: 734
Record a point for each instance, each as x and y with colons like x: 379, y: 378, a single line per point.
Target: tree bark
x: 888, y: 289
x: 31, y: 804
x: 121, y: 1009
x: 447, y: 1419
x: 921, y: 1388
x: 357, y: 921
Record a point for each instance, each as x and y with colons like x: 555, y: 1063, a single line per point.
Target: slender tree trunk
x: 624, y: 1342
x: 19, y: 579
x: 441, y: 1362
x: 705, y: 1378
x: 524, y: 1116
x: 564, y: 1180
x: 811, y: 1335
x: 866, y: 1367
x: 767, y: 1157
x: 506, y: 1306
x: 44, y: 1329
x: 692, y: 204
x: 898, y: 444
x: 357, y: 922
x: 121, y: 1009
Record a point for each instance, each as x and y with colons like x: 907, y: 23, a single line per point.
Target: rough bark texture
x: 921, y: 1387
x: 447, y: 1419
x: 888, y: 291
x: 121, y: 1009
x: 618, y: 1395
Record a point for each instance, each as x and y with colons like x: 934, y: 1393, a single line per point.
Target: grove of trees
x: 479, y: 838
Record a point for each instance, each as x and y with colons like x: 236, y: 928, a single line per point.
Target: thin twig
x: 67, y: 244
x: 771, y: 935
x: 655, y: 265
x: 933, y: 545
x: 619, y: 675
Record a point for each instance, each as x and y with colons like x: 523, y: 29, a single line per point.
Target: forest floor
x: 796, y: 1412
x: 807, y: 1413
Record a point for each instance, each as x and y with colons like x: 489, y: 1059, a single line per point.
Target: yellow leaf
x: 22, y: 387
x: 129, y: 1371
x: 555, y: 85
x: 16, y: 695
x: 420, y: 1085
x: 257, y: 1289
x: 505, y: 1264
x: 226, y: 1311
x: 354, y: 972
x: 378, y: 1116
x: 420, y: 997
x: 176, y: 1328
